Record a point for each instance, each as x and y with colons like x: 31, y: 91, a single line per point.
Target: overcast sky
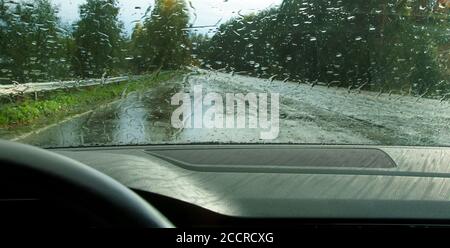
x: 209, y: 12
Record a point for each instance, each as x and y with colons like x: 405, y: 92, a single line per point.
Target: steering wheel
x: 50, y: 175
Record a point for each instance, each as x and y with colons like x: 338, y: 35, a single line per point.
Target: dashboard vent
x: 262, y: 157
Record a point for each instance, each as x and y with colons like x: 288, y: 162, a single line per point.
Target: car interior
x: 224, y: 186
x: 229, y: 115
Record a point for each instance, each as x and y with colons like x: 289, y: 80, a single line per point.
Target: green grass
x: 57, y: 105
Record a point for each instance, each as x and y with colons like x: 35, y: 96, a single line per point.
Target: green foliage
x: 381, y: 45
x: 98, y: 39
x: 200, y: 45
x: 162, y: 41
x: 386, y: 45
x: 31, y: 47
x: 60, y: 104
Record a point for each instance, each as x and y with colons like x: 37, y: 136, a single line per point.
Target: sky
x: 209, y: 12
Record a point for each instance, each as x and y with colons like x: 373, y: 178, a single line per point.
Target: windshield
x: 120, y: 72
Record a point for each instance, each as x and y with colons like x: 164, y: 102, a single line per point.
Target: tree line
x: 395, y: 46
x: 383, y: 45
x: 35, y: 44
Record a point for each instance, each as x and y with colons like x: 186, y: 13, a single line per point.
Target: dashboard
x: 260, y: 186
x: 283, y: 185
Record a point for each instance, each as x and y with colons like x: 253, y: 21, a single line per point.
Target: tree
x: 30, y: 42
x: 98, y: 39
x: 6, y: 74
x: 137, y: 49
x: 199, y: 43
x: 163, y: 40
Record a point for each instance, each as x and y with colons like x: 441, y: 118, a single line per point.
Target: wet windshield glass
x: 115, y: 72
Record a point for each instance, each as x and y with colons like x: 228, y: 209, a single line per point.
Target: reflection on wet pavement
x: 140, y: 118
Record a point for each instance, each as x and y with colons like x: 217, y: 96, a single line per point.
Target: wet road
x: 308, y: 115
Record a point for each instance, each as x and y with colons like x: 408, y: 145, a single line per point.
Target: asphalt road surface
x: 308, y: 115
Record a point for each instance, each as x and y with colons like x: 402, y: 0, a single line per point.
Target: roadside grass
x: 51, y: 107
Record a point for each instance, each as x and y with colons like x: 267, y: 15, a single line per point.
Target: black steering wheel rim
x: 68, y: 178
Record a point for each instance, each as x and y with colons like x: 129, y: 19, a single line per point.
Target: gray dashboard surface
x: 415, y: 186
x: 263, y: 159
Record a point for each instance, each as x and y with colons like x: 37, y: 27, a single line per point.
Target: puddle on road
x: 140, y: 118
